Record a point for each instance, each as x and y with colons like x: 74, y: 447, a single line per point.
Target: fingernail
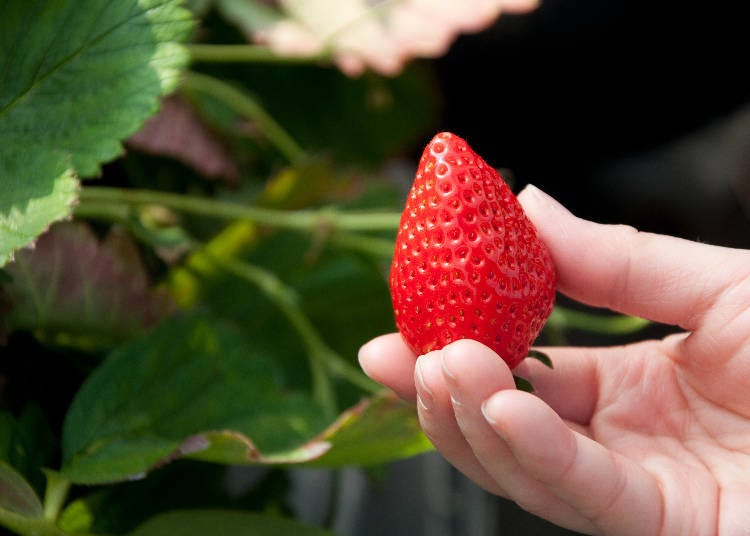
x: 446, y: 371
x: 450, y: 380
x: 491, y: 421
x: 544, y: 197
x: 486, y: 415
x: 424, y: 395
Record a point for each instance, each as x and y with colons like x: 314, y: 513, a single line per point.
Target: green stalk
x: 55, y: 495
x: 96, y: 200
x: 248, y: 108
x: 246, y: 54
x: 370, y: 245
x: 285, y: 300
x: 323, y: 359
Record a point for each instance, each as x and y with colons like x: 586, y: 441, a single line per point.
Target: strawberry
x: 468, y: 262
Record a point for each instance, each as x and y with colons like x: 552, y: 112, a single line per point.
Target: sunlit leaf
x: 73, y: 83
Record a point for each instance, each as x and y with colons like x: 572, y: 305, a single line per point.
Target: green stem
x: 564, y: 318
x: 370, y: 245
x: 96, y: 200
x: 246, y: 54
x: 248, y: 108
x: 285, y: 300
x: 322, y: 358
x: 55, y: 495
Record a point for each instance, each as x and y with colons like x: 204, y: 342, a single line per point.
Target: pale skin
x: 647, y: 439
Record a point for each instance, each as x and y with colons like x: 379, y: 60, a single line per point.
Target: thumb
x: 662, y: 278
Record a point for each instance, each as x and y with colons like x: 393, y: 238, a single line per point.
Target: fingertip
x: 467, y: 351
x: 369, y: 351
x: 427, y: 379
x: 389, y: 361
x: 539, y: 205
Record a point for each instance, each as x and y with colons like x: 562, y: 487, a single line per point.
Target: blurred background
x: 632, y: 112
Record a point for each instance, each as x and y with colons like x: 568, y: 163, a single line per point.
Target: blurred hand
x: 646, y: 439
x: 382, y: 36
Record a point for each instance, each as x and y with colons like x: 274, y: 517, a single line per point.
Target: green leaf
x: 27, y: 444
x: 345, y: 296
x: 540, y: 356
x: 16, y: 495
x: 21, y: 511
x: 74, y: 82
x: 522, y: 384
x: 226, y: 523
x: 76, y: 289
x: 171, y: 393
x: 375, y: 431
x: 32, y: 195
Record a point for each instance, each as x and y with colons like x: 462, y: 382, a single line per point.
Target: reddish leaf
x: 177, y: 131
x: 89, y: 292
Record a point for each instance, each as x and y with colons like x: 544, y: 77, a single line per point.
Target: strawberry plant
x: 195, y: 238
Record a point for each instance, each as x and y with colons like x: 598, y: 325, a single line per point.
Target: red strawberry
x: 468, y: 262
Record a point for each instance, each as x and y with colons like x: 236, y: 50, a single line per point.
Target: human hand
x: 649, y: 438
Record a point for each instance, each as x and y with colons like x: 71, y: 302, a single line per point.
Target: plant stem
x: 95, y: 200
x: 246, y: 53
x: 242, y: 103
x: 285, y: 300
x: 323, y: 359
x: 370, y: 245
x: 55, y: 495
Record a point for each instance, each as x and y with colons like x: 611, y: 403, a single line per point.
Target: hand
x: 645, y: 439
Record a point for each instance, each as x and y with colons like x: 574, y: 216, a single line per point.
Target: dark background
x: 626, y: 111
